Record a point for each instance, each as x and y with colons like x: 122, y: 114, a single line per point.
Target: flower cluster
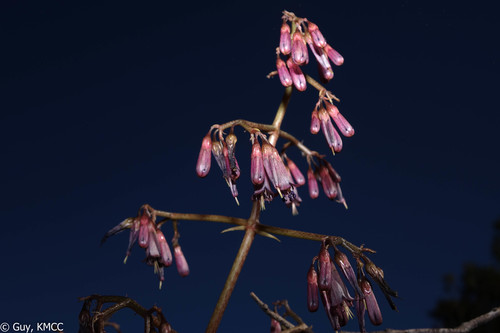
x: 325, y: 282
x: 146, y: 232
x: 294, y: 43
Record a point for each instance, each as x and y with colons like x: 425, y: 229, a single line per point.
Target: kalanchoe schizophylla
x: 370, y: 302
x: 326, y: 74
x: 324, y: 268
x: 275, y: 168
x: 283, y: 73
x: 204, y: 158
x: 292, y: 198
x: 165, y: 253
x: 143, y: 239
x: 180, y: 261
x: 334, y: 56
x: 296, y: 174
x: 298, y: 78
x: 220, y: 152
x: 334, y: 320
x: 233, y: 163
x: 343, y: 125
x: 359, y: 304
x: 316, y: 35
x: 263, y: 193
x: 315, y: 124
x: 312, y: 289
x: 331, y: 135
x: 345, y: 266
x: 329, y: 186
x: 299, y: 49
x: 285, y: 39
x: 312, y: 184
x: 257, y: 172
x: 377, y: 274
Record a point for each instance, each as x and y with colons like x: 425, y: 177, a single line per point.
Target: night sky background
x: 103, y: 108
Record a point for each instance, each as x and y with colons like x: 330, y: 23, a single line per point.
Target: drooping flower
x: 283, y: 73
x: 299, y: 49
x: 275, y: 168
x: 180, y: 261
x: 334, y: 56
x: 343, y: 125
x: 296, y: 174
x: 257, y: 172
x: 298, y: 78
x: 312, y: 289
x: 285, y: 39
x: 312, y: 184
x: 317, y: 36
x: 204, y: 158
x: 331, y: 135
x: 371, y: 302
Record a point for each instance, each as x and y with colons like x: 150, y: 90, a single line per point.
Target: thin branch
x: 271, y: 313
x: 463, y: 328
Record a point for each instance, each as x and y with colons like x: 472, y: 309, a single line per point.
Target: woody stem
x: 247, y: 241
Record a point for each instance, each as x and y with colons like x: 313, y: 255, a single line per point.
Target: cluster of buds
x: 224, y: 152
x: 146, y: 232
x: 321, y: 119
x: 271, y: 173
x: 325, y: 282
x: 325, y: 174
x: 294, y: 43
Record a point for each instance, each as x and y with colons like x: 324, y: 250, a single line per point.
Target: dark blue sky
x: 104, y: 107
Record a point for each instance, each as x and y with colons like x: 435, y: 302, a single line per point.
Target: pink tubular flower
x: 299, y: 49
x: 319, y: 54
x: 345, y: 266
x: 315, y: 125
x: 257, y: 172
x: 283, y: 73
x: 327, y: 182
x: 298, y: 78
x: 317, y: 36
x: 143, y: 239
x: 334, y: 56
x: 285, y: 39
x: 263, y: 193
x: 312, y: 184
x: 331, y: 135
x: 312, y: 289
x: 371, y: 302
x: 343, y: 125
x: 275, y: 168
x: 325, y: 269
x: 180, y: 261
x: 204, y: 158
x: 165, y: 253
x: 295, y: 171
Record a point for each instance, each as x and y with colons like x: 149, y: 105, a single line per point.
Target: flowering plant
x: 273, y: 174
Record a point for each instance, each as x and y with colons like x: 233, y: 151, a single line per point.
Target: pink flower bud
x: 297, y: 175
x: 204, y: 158
x: 144, y: 231
x: 283, y: 73
x: 275, y: 326
x: 275, y: 168
x: 165, y: 253
x: 325, y: 269
x: 326, y: 74
x: 299, y: 49
x: 180, y: 262
x: 319, y: 54
x: 257, y: 165
x: 316, y: 35
x: 298, y: 78
x: 334, y: 56
x: 312, y: 290
x: 315, y: 125
x: 326, y: 181
x: 371, y: 302
x: 345, y: 266
x: 312, y: 184
x: 285, y: 39
x: 343, y: 125
x: 152, y: 251
x: 331, y: 135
